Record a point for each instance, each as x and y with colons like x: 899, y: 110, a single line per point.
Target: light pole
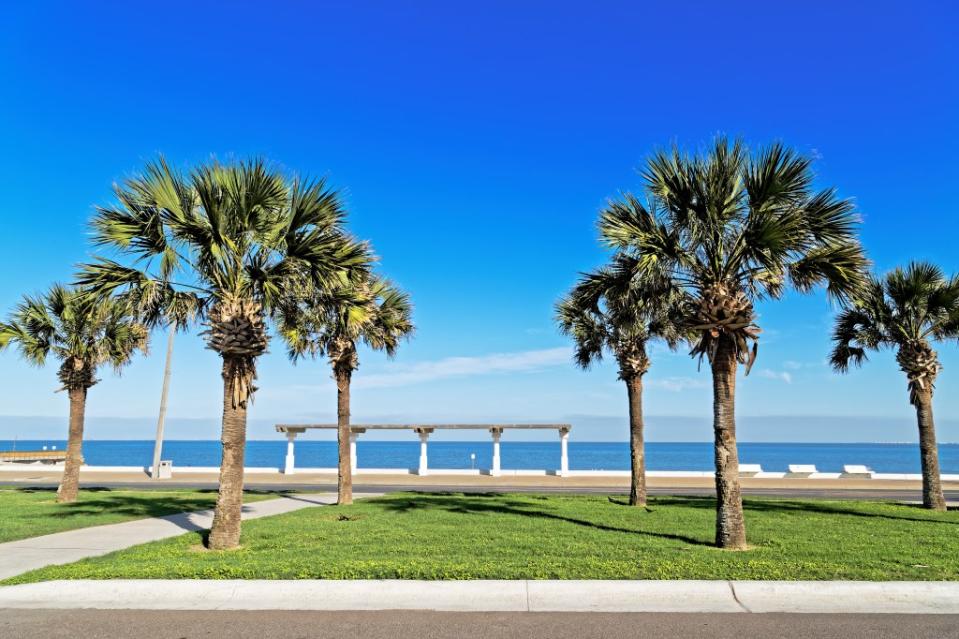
x: 164, y: 393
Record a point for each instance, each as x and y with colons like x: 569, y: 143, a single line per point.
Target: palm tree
x: 83, y: 332
x: 730, y: 227
x: 331, y: 323
x: 905, y: 311
x: 609, y: 310
x: 233, y: 235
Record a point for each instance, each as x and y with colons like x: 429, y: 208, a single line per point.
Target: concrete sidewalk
x: 17, y: 557
x: 492, y: 596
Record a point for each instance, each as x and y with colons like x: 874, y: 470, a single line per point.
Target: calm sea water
x: 888, y: 458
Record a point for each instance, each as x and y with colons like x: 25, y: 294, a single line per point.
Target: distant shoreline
x: 882, y: 457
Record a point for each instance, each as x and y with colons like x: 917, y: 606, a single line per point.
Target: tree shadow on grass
x: 142, y: 505
x: 783, y: 506
x: 796, y: 505
x: 147, y: 506
x: 483, y: 503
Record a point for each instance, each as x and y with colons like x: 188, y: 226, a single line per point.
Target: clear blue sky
x: 476, y: 142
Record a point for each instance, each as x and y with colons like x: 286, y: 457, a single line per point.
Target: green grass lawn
x: 452, y: 536
x: 31, y: 512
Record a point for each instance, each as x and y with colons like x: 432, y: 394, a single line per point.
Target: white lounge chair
x: 802, y: 470
x: 749, y: 470
x: 855, y: 470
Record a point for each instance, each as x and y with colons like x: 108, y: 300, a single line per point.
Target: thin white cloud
x: 793, y: 365
x: 677, y: 384
x: 782, y: 376
x: 451, y: 367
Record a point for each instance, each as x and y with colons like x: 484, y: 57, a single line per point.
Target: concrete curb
x: 492, y: 596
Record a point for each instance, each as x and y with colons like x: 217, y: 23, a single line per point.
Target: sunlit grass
x: 455, y: 536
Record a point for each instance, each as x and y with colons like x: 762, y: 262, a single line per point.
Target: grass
x: 31, y: 512
x: 455, y: 536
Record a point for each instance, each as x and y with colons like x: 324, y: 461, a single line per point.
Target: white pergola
x: 424, y: 431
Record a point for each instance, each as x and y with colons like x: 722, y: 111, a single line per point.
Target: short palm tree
x: 905, y: 311
x: 331, y: 323
x: 730, y: 227
x: 609, y: 310
x: 83, y: 332
x: 233, y: 235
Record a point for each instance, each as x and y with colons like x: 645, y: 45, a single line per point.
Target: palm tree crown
x: 331, y: 322
x: 223, y: 241
x: 905, y: 311
x: 732, y: 227
x: 81, y: 330
x: 611, y: 309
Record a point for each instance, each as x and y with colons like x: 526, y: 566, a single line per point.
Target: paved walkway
x: 17, y: 557
x: 492, y: 596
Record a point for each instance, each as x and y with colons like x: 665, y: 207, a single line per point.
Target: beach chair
x: 853, y: 470
x: 801, y: 470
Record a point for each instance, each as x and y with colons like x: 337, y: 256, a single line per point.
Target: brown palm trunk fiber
x: 932, y: 496
x: 730, y: 523
x: 637, y: 451
x: 225, y: 532
x: 70, y: 483
x: 344, y: 485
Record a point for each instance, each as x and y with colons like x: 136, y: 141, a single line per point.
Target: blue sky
x: 476, y: 143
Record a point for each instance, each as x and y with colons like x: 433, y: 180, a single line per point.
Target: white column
x: 353, y: 437
x: 563, y: 452
x: 424, y: 437
x: 288, y: 467
x: 496, y: 433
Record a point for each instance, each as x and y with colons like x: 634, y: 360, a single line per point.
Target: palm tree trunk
x: 164, y: 393
x: 932, y: 496
x: 637, y: 450
x: 70, y: 483
x: 730, y: 523
x: 225, y: 532
x: 345, y: 472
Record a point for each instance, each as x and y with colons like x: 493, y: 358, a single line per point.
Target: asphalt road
x: 802, y: 493
x: 120, y: 624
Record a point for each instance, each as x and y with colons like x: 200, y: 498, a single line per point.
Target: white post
x: 424, y: 437
x: 288, y: 467
x: 563, y: 452
x: 496, y: 433
x: 353, y: 437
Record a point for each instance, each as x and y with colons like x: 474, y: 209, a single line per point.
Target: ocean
x: 883, y: 458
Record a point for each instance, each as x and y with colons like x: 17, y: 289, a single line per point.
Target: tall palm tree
x: 609, y: 310
x: 732, y: 227
x: 83, y: 332
x: 331, y: 323
x: 905, y: 311
x: 233, y: 235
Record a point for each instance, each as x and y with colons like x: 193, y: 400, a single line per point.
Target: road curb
x: 491, y: 596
